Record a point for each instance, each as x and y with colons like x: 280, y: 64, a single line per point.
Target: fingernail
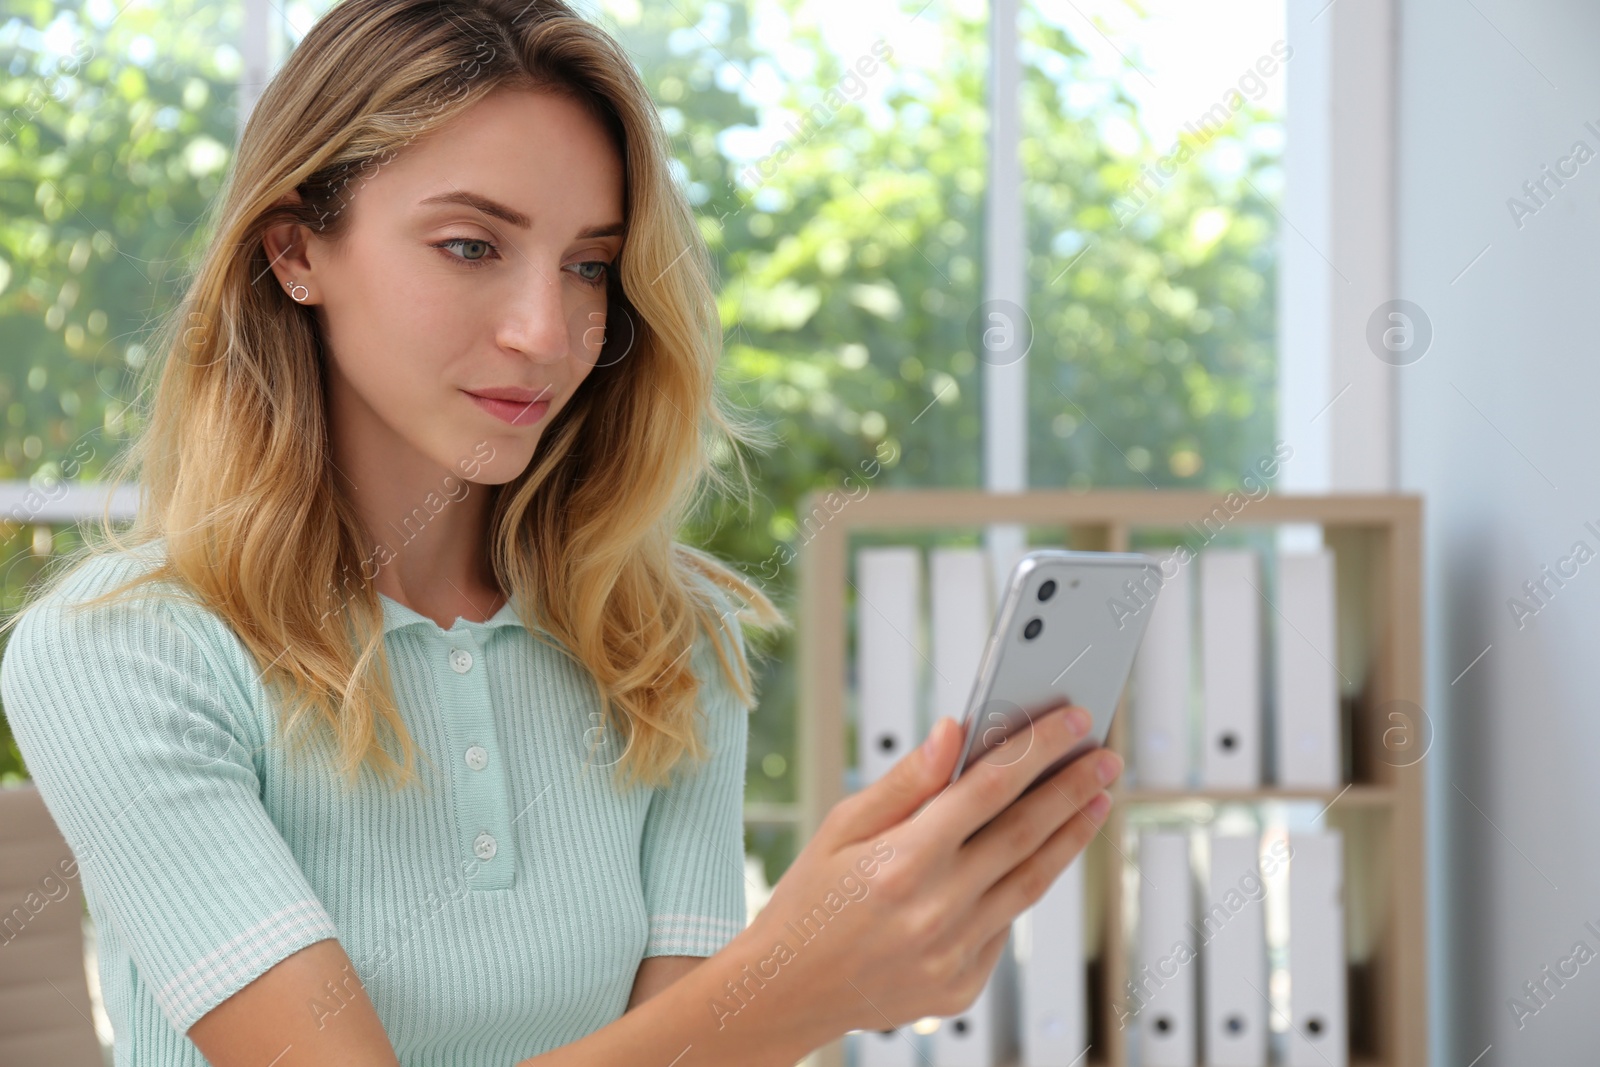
x: 1109, y: 766
x: 931, y: 744
x: 1078, y: 719
x: 1097, y: 808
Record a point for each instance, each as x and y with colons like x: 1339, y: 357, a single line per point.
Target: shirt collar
x: 396, y: 616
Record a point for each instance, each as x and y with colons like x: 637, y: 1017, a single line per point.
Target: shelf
x: 1354, y: 795
x: 1377, y: 543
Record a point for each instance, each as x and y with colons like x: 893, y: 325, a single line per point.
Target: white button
x: 460, y: 660
x: 477, y: 757
x: 484, y: 845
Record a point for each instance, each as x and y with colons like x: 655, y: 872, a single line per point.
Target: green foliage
x: 114, y: 139
x: 852, y: 273
x: 1153, y: 356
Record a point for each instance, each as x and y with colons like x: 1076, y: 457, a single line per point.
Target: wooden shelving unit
x: 1377, y: 541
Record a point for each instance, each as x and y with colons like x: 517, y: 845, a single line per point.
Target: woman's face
x: 475, y: 261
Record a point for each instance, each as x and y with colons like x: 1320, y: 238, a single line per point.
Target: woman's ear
x: 285, y: 244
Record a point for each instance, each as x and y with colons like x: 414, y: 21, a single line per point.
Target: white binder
x: 1318, y: 1030
x: 1234, y: 954
x: 888, y: 1048
x: 888, y: 657
x: 985, y: 1034
x: 1161, y: 685
x: 888, y: 665
x: 1307, y: 682
x: 1050, y: 966
x: 1230, y: 657
x: 961, y: 611
x: 1165, y: 976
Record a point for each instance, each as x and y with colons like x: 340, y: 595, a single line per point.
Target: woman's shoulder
x: 99, y: 607
x: 719, y: 636
x: 68, y: 594
x: 74, y: 662
x: 716, y: 600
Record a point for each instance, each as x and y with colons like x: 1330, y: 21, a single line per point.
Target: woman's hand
x: 890, y: 913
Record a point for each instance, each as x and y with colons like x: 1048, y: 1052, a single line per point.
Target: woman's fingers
x: 930, y: 931
x: 1022, y: 887
x: 1019, y: 831
x: 993, y: 782
x: 918, y: 775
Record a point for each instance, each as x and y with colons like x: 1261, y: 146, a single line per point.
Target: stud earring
x: 302, y: 294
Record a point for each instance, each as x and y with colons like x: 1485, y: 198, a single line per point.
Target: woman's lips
x: 514, y: 412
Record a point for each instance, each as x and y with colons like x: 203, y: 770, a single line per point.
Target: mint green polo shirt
x: 498, y: 912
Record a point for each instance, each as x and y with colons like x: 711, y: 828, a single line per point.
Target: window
x: 1151, y: 155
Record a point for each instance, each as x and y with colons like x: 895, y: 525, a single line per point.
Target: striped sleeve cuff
x: 234, y: 965
x: 689, y: 935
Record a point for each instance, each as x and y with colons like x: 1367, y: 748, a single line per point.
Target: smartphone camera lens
x: 1031, y: 630
x: 1048, y: 589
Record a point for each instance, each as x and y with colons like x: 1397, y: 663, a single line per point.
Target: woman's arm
x: 284, y: 1015
x: 656, y: 973
x: 273, y: 1019
x: 275, y: 1013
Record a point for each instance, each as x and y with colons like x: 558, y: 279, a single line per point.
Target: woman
x: 431, y: 416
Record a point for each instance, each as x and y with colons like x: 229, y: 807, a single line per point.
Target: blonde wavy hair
x: 233, y: 460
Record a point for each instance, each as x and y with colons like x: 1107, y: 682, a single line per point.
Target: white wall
x: 1499, y: 427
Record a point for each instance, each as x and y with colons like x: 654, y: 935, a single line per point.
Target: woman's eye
x: 592, y: 271
x: 473, y: 250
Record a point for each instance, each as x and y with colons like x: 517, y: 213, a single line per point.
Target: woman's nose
x: 536, y: 324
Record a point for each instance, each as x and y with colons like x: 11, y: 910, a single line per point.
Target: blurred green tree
x: 115, y: 132
x: 852, y: 275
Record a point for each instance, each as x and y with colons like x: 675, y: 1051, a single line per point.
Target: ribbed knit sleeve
x: 127, y: 730
x: 692, y: 852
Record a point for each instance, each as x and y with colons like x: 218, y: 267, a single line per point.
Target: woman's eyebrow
x: 495, y: 209
x: 492, y: 208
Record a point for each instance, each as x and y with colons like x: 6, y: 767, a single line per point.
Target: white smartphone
x: 1066, y: 632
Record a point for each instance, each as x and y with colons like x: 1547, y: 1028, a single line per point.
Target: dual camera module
x: 1035, y: 626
